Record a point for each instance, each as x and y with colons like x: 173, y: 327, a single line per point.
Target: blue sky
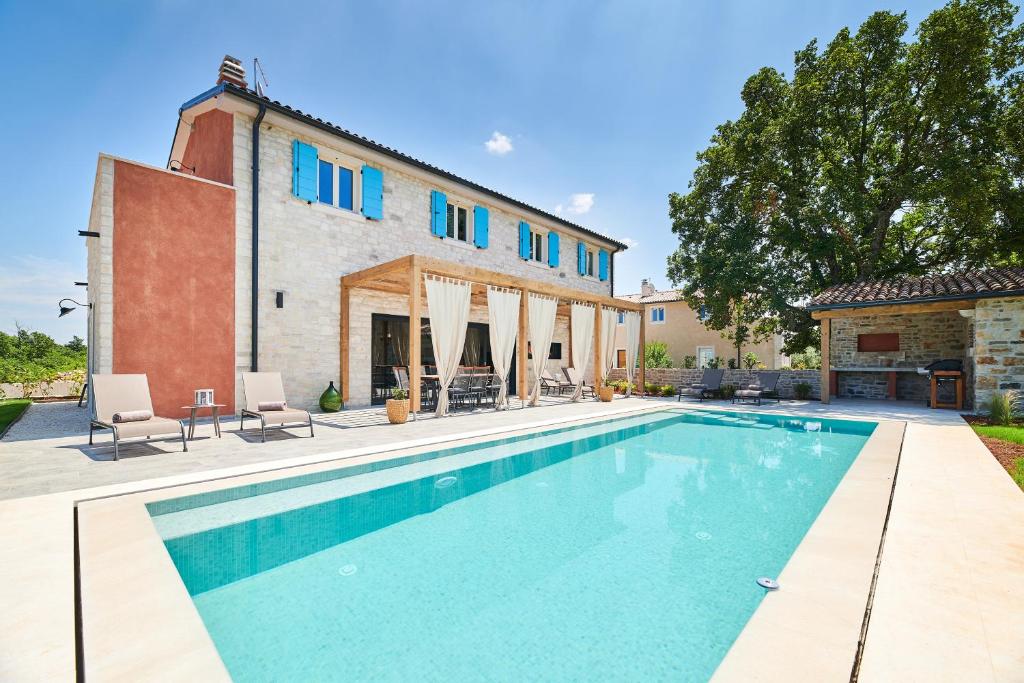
x: 604, y: 105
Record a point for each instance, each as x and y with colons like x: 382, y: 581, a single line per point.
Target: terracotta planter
x: 398, y: 410
x: 606, y: 393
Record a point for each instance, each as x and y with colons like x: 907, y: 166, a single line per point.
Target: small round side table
x: 214, y: 409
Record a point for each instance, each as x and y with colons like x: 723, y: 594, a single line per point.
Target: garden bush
x: 690, y: 362
x: 802, y: 390
x: 1003, y: 407
x: 668, y: 390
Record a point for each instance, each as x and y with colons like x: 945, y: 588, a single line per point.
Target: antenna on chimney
x: 258, y: 75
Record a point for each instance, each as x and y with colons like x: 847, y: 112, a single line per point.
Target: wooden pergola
x: 405, y: 276
x: 825, y: 315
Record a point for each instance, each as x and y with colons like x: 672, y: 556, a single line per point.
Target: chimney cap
x: 232, y: 71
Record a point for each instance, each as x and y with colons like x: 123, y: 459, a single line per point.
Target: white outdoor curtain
x: 503, y: 319
x: 608, y: 322
x: 632, y: 346
x: 542, y: 328
x: 448, y: 307
x: 582, y: 322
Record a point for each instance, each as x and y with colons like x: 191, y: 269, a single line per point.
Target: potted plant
x: 398, y: 407
x: 606, y: 391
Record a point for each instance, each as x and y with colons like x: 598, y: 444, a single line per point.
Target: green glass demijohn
x: 330, y: 400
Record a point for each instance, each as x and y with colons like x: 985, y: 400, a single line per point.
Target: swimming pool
x: 624, y: 549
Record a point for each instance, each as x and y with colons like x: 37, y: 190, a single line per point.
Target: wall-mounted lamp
x: 88, y: 233
x: 91, y: 349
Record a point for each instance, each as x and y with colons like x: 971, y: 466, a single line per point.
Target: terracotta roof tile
x: 656, y: 298
x: 968, y: 285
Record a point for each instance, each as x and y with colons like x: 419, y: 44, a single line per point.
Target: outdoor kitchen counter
x: 833, y: 377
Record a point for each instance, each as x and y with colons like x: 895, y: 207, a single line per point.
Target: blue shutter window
x: 304, y: 171
x: 703, y: 312
x: 373, y: 193
x: 553, y: 249
x: 481, y: 226
x: 581, y: 258
x: 524, y: 240
x: 438, y: 209
x: 602, y: 265
x: 345, y: 188
x: 622, y: 318
x: 326, y: 182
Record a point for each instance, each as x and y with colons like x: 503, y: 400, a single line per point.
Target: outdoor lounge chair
x: 548, y: 383
x: 763, y: 387
x: 709, y: 385
x: 266, y: 389
x: 572, y: 377
x: 120, y: 397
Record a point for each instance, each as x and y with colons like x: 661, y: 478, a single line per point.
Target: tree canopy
x: 881, y: 156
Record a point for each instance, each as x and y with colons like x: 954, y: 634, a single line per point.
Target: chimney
x: 232, y: 71
x: 646, y: 288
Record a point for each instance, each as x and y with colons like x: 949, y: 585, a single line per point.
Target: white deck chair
x: 128, y: 393
x: 266, y: 387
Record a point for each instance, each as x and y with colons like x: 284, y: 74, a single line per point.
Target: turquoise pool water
x: 623, y: 550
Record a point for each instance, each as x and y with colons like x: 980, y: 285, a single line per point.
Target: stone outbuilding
x: 877, y: 335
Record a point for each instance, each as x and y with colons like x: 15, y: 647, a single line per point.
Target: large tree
x: 881, y: 156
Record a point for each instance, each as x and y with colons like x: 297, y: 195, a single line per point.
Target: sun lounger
x: 708, y: 387
x: 265, y: 401
x: 124, y: 406
x: 548, y: 383
x: 572, y: 377
x: 764, y: 387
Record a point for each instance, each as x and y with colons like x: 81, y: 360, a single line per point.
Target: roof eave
x: 394, y: 154
x: 917, y: 300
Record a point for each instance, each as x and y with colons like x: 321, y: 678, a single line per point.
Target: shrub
x: 668, y: 390
x: 715, y: 363
x: 690, y: 362
x: 732, y: 363
x: 1003, y: 406
x: 751, y: 361
x: 728, y: 391
x: 656, y: 355
x: 809, y: 359
x: 802, y: 390
x: 650, y: 388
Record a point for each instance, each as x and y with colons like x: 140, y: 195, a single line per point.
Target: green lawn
x: 11, y: 410
x: 1014, y: 434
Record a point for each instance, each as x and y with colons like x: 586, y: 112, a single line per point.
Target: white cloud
x: 628, y: 241
x: 499, y: 144
x: 32, y: 286
x: 579, y: 203
x: 559, y: 208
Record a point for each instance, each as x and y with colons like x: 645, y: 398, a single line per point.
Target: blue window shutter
x: 373, y: 193
x: 524, y: 240
x: 481, y: 226
x: 304, y: 166
x: 438, y: 217
x: 602, y: 265
x: 553, y: 249
x: 581, y: 258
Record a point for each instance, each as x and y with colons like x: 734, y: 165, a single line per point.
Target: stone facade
x: 305, y: 249
x: 681, y: 377
x: 100, y: 268
x: 998, y: 347
x: 924, y: 337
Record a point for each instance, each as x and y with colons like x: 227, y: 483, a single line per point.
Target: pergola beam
x: 894, y: 309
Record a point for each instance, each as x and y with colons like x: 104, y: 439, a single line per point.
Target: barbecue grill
x: 945, y: 371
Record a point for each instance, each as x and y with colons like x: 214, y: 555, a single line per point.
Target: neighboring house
x: 230, y: 260
x: 875, y: 335
x: 671, y: 320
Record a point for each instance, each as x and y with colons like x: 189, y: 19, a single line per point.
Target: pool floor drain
x: 347, y: 570
x: 703, y: 536
x: 769, y: 583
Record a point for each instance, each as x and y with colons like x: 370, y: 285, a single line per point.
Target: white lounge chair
x: 127, y: 397
x: 265, y: 389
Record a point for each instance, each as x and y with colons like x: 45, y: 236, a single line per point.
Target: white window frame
x: 701, y: 348
x: 457, y: 204
x: 591, y: 257
x: 651, y: 316
x: 538, y: 237
x: 351, y: 163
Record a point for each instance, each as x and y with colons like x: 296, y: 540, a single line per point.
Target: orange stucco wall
x: 209, y: 148
x: 174, y: 285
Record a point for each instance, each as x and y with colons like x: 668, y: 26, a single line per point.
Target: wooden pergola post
x: 524, y: 297
x: 415, y: 282
x: 345, y: 307
x: 598, y: 355
x: 826, y: 383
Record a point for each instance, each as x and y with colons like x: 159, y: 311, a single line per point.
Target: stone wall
x: 305, y: 249
x: 924, y: 337
x: 681, y: 376
x: 998, y: 347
